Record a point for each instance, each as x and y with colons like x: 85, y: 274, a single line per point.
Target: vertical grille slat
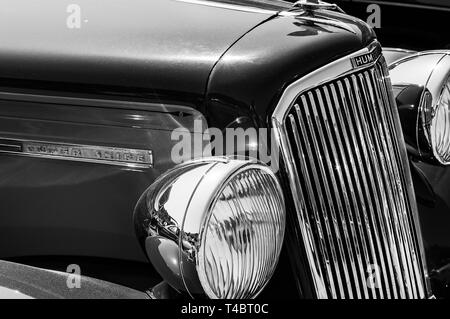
x: 343, y: 115
x: 354, y: 181
x: 393, y: 173
x: 362, y: 221
x: 308, y: 226
x: 387, y: 176
x: 387, y: 120
x: 316, y: 215
x: 341, y: 196
x: 380, y: 201
x: 379, y: 102
x: 349, y: 179
x: 329, y: 237
x: 325, y: 169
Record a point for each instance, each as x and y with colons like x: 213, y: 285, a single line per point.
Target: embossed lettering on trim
x: 76, y: 152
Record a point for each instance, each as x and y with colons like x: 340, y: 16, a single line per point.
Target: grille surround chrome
x: 323, y: 284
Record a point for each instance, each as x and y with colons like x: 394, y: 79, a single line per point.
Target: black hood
x: 166, y: 45
x: 157, y: 44
x: 251, y: 76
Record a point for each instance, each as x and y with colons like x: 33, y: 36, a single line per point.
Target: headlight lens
x: 242, y: 237
x: 227, y: 217
x: 440, y: 126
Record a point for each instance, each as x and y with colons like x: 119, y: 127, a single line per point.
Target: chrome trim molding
x: 133, y: 158
x: 347, y: 167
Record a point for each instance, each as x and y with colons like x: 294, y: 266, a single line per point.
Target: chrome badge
x: 366, y: 59
x: 84, y: 153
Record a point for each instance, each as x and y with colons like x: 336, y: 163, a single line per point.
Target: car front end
x: 217, y: 145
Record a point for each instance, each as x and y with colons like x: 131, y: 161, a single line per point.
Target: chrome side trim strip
x: 132, y: 158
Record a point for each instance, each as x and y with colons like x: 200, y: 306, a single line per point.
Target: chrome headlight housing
x: 214, y: 226
x: 428, y: 74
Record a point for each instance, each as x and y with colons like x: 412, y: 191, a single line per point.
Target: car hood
x: 18, y: 281
x: 157, y: 44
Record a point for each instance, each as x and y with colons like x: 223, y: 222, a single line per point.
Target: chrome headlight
x: 214, y: 226
x: 427, y: 74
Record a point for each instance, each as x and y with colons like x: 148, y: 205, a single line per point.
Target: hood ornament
x: 309, y: 14
x: 310, y: 5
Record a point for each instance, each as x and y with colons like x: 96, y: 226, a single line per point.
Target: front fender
x: 19, y: 281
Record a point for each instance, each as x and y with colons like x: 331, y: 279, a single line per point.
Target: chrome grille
x: 349, y: 178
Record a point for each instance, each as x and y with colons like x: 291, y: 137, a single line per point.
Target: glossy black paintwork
x: 157, y: 45
x: 83, y: 208
x: 251, y: 76
x: 408, y: 101
x: 77, y: 208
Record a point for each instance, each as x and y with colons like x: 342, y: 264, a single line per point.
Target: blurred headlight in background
x: 439, y: 126
x: 422, y: 87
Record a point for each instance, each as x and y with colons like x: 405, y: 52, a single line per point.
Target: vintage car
x: 117, y: 179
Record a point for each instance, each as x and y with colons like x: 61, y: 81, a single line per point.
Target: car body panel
x: 85, y: 209
x: 148, y: 44
x: 18, y: 281
x: 298, y: 47
x: 79, y: 207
